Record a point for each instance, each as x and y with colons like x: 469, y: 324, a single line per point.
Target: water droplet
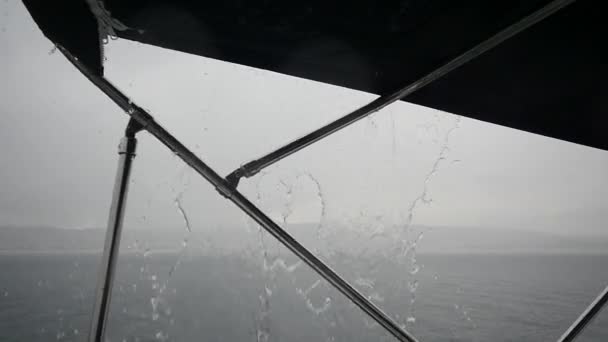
x: 262, y: 336
x: 365, y: 282
x: 413, y: 285
x: 180, y: 209
x: 161, y: 336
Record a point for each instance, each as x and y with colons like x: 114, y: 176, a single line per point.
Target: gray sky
x: 59, y: 136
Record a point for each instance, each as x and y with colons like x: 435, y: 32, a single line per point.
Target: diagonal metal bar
x: 255, y: 166
x: 225, y: 189
x: 586, y: 317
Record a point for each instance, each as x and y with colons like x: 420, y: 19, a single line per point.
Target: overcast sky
x: 59, y: 135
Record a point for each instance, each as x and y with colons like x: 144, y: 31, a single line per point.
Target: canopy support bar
x: 586, y: 317
x: 225, y: 189
x: 255, y: 166
x: 105, y: 278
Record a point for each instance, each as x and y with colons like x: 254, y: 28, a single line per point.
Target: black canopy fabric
x: 550, y: 79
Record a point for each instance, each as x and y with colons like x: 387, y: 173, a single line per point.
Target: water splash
x: 321, y: 309
x: 280, y: 264
x: 161, y: 336
x: 158, y: 304
x: 154, y: 303
x: 262, y: 336
x: 272, y: 264
x: 317, y: 310
x: 158, y: 301
x: 177, y: 202
x: 409, y: 246
x: 376, y: 297
x: 287, y: 207
x: 365, y: 282
x: 263, y: 318
x: 322, y: 202
x: 464, y: 314
x: 180, y: 208
x: 147, y: 252
x: 263, y: 321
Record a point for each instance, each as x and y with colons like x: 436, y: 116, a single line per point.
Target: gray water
x: 459, y: 298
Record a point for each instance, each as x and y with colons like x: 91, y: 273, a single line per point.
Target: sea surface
x: 177, y: 297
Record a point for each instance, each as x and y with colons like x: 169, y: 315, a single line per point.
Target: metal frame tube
x: 255, y: 166
x: 105, y: 279
x: 586, y: 317
x: 145, y: 120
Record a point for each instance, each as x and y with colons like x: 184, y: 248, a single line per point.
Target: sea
x: 180, y: 297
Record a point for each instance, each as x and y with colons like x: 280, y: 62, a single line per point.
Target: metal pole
x: 586, y: 317
x: 105, y: 279
x: 253, y: 167
x: 146, y: 121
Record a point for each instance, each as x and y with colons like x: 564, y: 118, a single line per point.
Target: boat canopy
x: 550, y: 79
x: 533, y: 65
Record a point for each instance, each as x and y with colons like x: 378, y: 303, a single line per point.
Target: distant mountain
x: 482, y: 240
x: 42, y: 239
x: 336, y: 237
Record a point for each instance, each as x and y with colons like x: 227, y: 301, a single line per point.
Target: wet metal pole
x: 586, y: 317
x: 105, y: 279
x: 147, y: 122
